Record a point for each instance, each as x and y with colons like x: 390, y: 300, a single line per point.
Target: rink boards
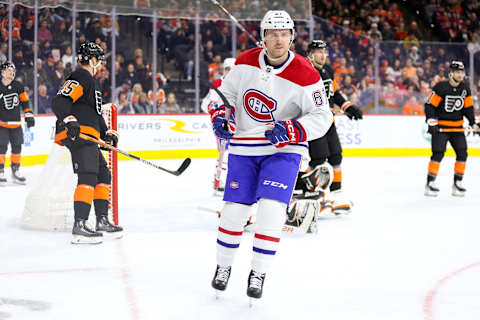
x: 180, y: 136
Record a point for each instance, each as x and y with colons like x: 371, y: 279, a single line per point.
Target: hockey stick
x: 177, y: 172
x: 458, y: 130
x: 10, y: 122
x: 239, y: 25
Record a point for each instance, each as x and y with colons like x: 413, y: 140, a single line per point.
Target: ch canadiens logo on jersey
x: 259, y: 106
x: 11, y: 101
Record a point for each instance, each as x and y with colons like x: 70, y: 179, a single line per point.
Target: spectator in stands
x: 410, y: 41
x: 44, y: 100
x: 44, y: 34
x: 387, y: 32
x: 348, y: 88
x: 414, y: 56
x: 413, y: 107
x: 105, y: 83
x: 27, y: 33
x: 124, y: 88
x: 124, y: 105
x: 374, y: 33
x: 409, y: 69
x: 130, y: 74
x: 67, y: 56
x: 143, y: 105
x: 215, y: 68
x: 3, y: 52
x: 62, y: 36
x: 136, y: 92
x: 400, y: 32
x: 171, y: 105
x: 394, y: 16
x: 208, y: 51
x: 160, y: 96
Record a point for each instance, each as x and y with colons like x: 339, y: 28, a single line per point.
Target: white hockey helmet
x: 228, y: 63
x: 277, y: 20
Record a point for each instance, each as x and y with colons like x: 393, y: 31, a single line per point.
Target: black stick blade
x: 183, y: 166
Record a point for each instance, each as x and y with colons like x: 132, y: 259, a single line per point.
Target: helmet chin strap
x: 315, y: 63
x: 453, y: 79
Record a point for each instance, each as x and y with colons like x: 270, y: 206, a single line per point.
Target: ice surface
x: 399, y: 255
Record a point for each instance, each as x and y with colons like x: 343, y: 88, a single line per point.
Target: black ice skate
x: 3, y: 180
x: 107, y: 229
x: 17, y: 177
x: 457, y: 189
x: 82, y: 234
x: 255, y: 285
x: 220, y: 279
x: 431, y: 189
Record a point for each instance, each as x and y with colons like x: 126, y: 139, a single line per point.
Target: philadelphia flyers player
x: 12, y: 98
x: 328, y: 147
x: 78, y: 109
x: 278, y: 104
x: 449, y: 102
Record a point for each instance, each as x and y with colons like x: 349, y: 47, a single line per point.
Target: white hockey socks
x: 270, y: 219
x: 233, y: 219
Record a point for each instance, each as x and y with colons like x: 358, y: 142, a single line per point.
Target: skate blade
x: 112, y: 235
x: 458, y: 194
x: 20, y: 182
x: 76, y: 239
x: 219, y: 294
x: 252, y: 302
x: 431, y: 194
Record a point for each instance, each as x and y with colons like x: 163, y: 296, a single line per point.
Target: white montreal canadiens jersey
x: 262, y: 95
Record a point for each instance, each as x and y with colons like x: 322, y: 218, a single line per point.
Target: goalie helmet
x: 277, y: 20
x: 317, y: 44
x: 228, y: 63
x: 88, y: 50
x: 6, y: 65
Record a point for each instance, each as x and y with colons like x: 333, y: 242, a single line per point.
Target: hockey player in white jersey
x: 210, y: 102
x: 278, y: 103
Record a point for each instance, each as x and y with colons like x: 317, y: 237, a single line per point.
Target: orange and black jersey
x: 11, y: 98
x: 450, y: 104
x: 81, y: 97
x: 334, y: 95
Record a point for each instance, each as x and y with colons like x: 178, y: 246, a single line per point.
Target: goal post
x: 49, y: 203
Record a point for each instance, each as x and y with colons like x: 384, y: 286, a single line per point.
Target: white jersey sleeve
x: 316, y: 116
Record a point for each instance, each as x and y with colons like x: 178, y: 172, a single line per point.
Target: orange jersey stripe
x: 15, y: 157
x: 433, y: 167
x: 435, y: 100
x: 83, y: 193
x: 460, y: 167
x: 335, y: 86
x: 337, y: 175
x: 72, y: 89
x: 90, y: 131
x: 449, y: 123
x: 102, y: 191
x: 468, y: 102
x: 10, y: 126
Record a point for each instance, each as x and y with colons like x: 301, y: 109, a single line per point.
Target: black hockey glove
x: 72, y: 126
x: 111, y: 137
x: 29, y: 119
x: 432, y: 126
x: 353, y: 112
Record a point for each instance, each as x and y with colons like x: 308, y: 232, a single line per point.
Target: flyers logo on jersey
x: 259, y: 106
x: 11, y: 100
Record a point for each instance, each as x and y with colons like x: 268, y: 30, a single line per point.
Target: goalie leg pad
x: 232, y: 220
x: 270, y: 219
x: 302, y: 216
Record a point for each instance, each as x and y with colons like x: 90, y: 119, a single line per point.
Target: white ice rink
x: 399, y: 255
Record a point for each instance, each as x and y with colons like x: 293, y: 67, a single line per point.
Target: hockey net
x: 49, y: 204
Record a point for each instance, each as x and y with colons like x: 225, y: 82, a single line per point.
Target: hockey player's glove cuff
x: 223, y: 129
x: 353, y: 112
x: 285, y: 132
x: 433, y: 126
x: 29, y: 119
x: 72, y: 126
x: 111, y: 137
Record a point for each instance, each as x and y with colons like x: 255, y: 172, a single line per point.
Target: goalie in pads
x: 311, y: 199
